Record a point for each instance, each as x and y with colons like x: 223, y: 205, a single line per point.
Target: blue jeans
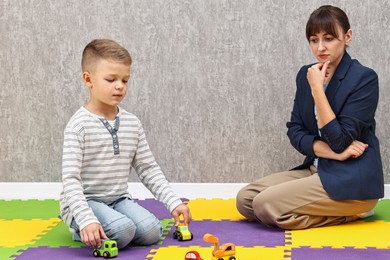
x: 124, y: 221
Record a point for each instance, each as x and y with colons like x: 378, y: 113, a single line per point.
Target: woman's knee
x: 263, y: 209
x: 244, y: 201
x: 121, y: 230
x: 241, y: 196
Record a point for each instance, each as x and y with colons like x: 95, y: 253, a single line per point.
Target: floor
x: 32, y: 230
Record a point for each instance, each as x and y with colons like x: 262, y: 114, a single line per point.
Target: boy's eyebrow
x: 115, y: 75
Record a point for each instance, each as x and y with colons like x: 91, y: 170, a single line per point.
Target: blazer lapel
x: 338, y: 76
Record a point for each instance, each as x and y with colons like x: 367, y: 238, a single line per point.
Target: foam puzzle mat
x: 31, y: 229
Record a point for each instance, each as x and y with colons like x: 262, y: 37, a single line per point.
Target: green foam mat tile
x: 382, y: 212
x: 7, y: 253
x: 29, y: 209
x: 56, y: 237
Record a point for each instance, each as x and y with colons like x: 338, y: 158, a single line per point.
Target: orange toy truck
x: 226, y: 251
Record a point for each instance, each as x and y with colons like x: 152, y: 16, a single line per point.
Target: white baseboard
x: 51, y: 190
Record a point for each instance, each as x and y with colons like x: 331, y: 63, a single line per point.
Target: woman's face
x: 326, y: 47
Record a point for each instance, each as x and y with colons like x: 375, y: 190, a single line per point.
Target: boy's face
x: 107, y: 83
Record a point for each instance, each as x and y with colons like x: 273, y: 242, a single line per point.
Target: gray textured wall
x: 212, y: 81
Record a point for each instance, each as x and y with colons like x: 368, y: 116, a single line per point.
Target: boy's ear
x: 87, y: 79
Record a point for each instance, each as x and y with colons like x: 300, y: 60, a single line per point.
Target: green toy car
x: 182, y: 233
x: 108, y: 249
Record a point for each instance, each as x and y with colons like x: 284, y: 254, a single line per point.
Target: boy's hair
x: 103, y: 49
x: 326, y: 19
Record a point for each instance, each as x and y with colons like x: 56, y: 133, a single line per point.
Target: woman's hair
x: 103, y: 49
x: 326, y: 19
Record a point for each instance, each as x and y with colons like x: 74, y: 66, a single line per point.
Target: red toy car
x: 192, y: 255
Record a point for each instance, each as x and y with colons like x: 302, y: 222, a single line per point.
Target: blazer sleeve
x: 354, y: 106
x: 301, y: 134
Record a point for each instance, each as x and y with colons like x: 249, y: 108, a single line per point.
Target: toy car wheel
x: 232, y: 258
x: 96, y: 253
x: 220, y: 258
x: 180, y: 237
x: 175, y: 235
x: 106, y: 255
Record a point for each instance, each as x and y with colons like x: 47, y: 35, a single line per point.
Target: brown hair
x: 103, y: 49
x: 326, y: 19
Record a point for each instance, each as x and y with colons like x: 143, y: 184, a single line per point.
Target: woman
x: 333, y: 125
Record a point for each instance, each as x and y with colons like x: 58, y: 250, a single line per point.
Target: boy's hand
x: 182, y: 209
x: 91, y: 235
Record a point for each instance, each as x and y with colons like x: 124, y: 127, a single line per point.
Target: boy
x: 101, y: 143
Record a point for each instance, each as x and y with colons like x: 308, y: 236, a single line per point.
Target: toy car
x: 226, y: 251
x: 192, y: 255
x: 182, y: 233
x: 107, y: 249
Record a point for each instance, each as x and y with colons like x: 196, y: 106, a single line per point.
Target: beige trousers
x: 296, y: 200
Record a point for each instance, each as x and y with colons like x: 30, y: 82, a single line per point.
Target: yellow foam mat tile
x: 214, y: 209
x: 20, y: 232
x: 357, y: 234
x: 242, y: 253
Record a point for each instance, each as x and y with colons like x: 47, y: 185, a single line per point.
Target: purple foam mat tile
x: 156, y: 207
x: 67, y: 253
x: 241, y: 233
x: 347, y: 253
x: 60, y: 253
x: 135, y: 253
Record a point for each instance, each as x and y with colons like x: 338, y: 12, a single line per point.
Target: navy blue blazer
x: 353, y: 94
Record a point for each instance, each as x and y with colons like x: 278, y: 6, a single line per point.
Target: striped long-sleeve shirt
x: 96, y: 164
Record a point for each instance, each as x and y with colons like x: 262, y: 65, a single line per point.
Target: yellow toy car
x: 182, y: 233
